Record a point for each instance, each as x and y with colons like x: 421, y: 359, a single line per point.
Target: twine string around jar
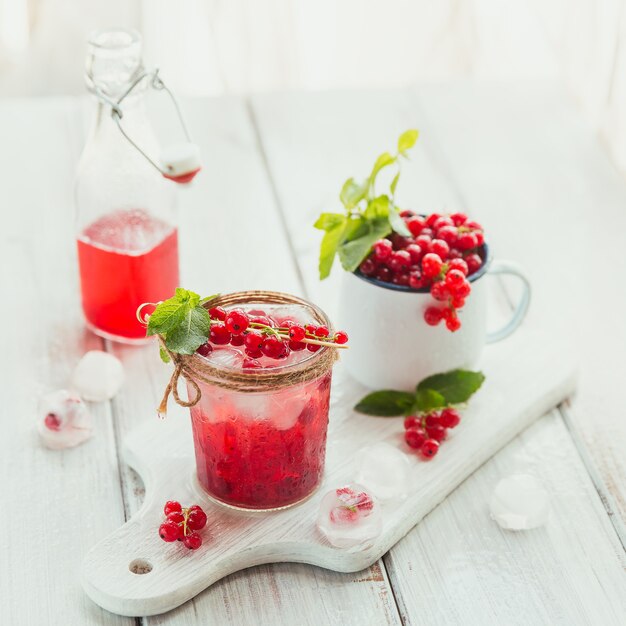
x: 195, y: 368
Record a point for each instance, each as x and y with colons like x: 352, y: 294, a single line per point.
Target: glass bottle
x: 127, y: 233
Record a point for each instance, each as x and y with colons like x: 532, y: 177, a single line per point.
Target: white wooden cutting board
x: 526, y: 376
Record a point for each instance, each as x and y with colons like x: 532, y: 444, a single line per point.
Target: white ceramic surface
x: 391, y: 346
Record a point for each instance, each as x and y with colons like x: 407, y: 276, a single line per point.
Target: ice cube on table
x: 350, y: 516
x: 520, y: 502
x: 98, y: 376
x: 384, y: 470
x: 64, y: 420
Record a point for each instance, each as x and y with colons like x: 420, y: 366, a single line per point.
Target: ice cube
x: 98, y: 376
x: 520, y: 502
x: 350, y: 516
x: 286, y: 407
x: 227, y: 356
x: 384, y: 470
x: 64, y: 420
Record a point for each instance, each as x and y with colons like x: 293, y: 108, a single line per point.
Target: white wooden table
x: 518, y: 157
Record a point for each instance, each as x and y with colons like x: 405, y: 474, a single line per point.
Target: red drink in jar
x: 263, y: 449
x: 126, y: 257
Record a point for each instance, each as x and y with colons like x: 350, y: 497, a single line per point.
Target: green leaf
x: 397, y: 223
x: 165, y: 357
x: 387, y: 403
x: 353, y: 252
x: 356, y: 227
x: 394, y: 184
x: 378, y: 207
x: 328, y: 249
x: 328, y: 221
x: 209, y: 298
x: 382, y: 161
x: 456, y: 386
x: 171, y: 312
x: 191, y: 333
x: 407, y: 140
x: 352, y: 193
x: 428, y: 399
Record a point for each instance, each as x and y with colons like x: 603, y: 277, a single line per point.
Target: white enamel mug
x: 392, y: 347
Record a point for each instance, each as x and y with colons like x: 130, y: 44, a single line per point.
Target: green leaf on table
x: 427, y: 400
x: 456, y: 386
x: 171, y: 312
x: 165, y: 357
x: 352, y: 193
x: 328, y: 249
x: 191, y: 333
x: 353, y: 252
x: 386, y: 403
x: 407, y: 140
x: 397, y: 223
x: 328, y: 221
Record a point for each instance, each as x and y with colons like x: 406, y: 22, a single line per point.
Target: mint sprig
x: 367, y: 217
x: 182, y: 321
x: 435, y: 392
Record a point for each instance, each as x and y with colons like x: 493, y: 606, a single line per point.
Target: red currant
x: 219, y: 334
x: 272, y: 347
x: 406, y: 213
x: 429, y: 448
x: 433, y: 315
x: 368, y: 267
x: 458, y: 302
x: 431, y: 265
x: 205, y: 349
x: 442, y: 221
x: 236, y: 321
x: 297, y: 333
x: 454, y: 279
x: 458, y: 264
x: 401, y: 278
x: 439, y: 291
x: 431, y: 219
x: 311, y: 347
x: 436, y: 431
x: 171, y: 506
x: 197, y: 518
x: 458, y: 218
x: 251, y: 364
x: 448, y: 234
x: 192, y: 541
x: 384, y: 274
x: 453, y: 323
x: 480, y: 237
x: 415, y: 225
x: 218, y: 313
x: 473, y: 225
x: 473, y: 263
x: 411, y: 421
x: 450, y: 418
x: 466, y: 241
x: 415, y: 436
x: 169, y: 531
x: 416, y: 280
x: 423, y: 241
x: 322, y: 332
x: 52, y: 422
x: 341, y: 337
x: 296, y: 346
x: 253, y: 340
x: 432, y: 419
x: 382, y: 249
x: 176, y: 516
x: 237, y: 340
x: 399, y: 260
x: 440, y: 248
x: 463, y: 290
x: 415, y: 252
x: 399, y: 242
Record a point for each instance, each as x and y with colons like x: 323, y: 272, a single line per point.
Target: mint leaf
x: 165, y: 357
x: 428, y: 399
x: 352, y: 193
x: 191, y: 333
x: 456, y: 386
x: 171, y: 312
x: 208, y: 298
x: 328, y: 221
x: 407, y: 140
x: 394, y: 184
x: 397, y: 223
x: 353, y: 252
x: 382, y: 161
x: 329, y: 246
x: 387, y: 403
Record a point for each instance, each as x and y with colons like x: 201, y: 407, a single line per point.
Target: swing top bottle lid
x: 114, y: 60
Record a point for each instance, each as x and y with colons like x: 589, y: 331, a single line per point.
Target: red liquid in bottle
x: 126, y: 257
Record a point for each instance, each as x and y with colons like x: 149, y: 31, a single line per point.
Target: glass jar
x: 260, y: 434
x: 127, y: 234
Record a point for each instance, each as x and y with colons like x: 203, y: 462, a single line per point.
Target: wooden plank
x: 57, y: 503
x: 338, y: 135
x: 232, y: 239
x: 553, y: 201
x: 459, y: 567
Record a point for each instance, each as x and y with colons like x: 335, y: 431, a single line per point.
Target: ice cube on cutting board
x: 384, y: 470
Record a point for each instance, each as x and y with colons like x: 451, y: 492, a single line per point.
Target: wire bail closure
x: 190, y: 160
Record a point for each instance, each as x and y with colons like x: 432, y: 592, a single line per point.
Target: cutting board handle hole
x: 140, y: 566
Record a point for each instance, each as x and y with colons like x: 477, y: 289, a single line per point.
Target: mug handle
x: 507, y: 267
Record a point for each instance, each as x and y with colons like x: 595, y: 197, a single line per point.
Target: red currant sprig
x: 426, y: 432
x: 259, y: 336
x: 182, y: 524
